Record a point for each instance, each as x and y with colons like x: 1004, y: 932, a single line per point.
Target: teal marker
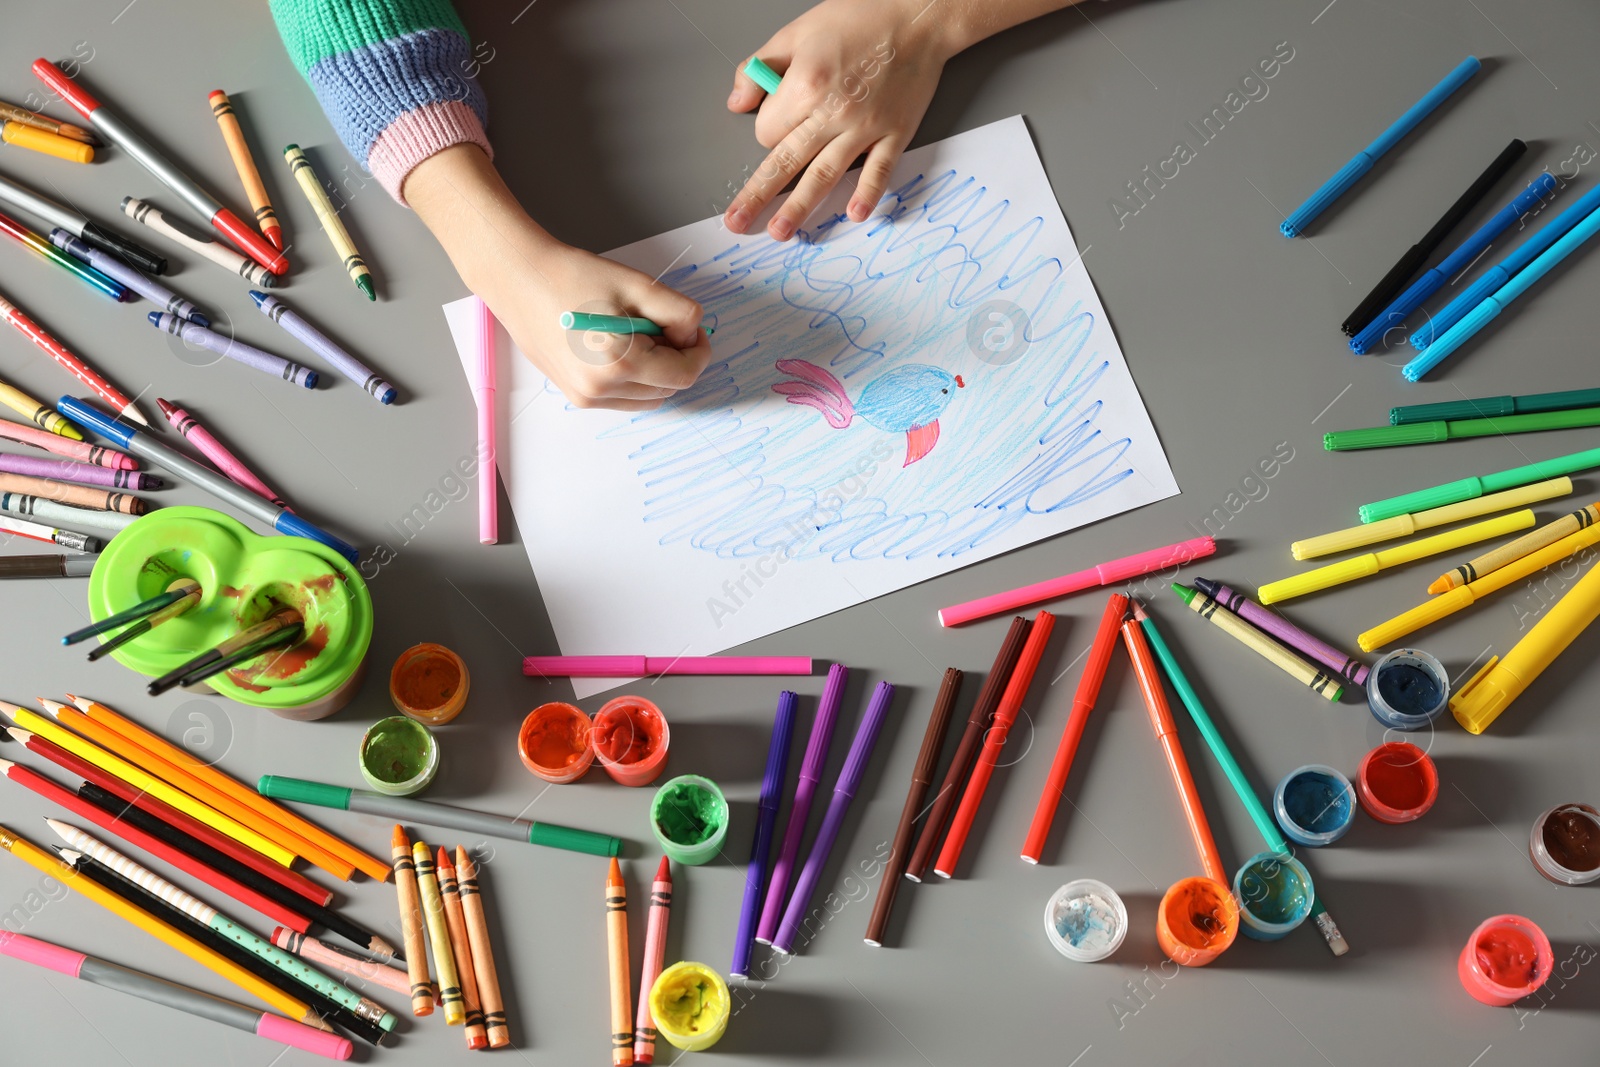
x: 1469, y: 488
x: 762, y: 75
x: 582, y: 320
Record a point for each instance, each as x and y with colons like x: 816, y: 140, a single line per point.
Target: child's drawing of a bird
x: 908, y: 399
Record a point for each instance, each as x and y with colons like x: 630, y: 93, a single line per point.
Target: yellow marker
x: 51, y: 144
x: 1548, y: 534
x: 1431, y: 611
x: 311, y: 185
x: 44, y: 417
x: 1405, y: 525
x: 1491, y: 691
x: 1363, y: 566
x: 34, y: 723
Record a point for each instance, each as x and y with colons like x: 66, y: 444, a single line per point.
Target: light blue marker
x: 1505, y: 270
x: 762, y: 75
x: 1485, y: 312
x: 1351, y: 172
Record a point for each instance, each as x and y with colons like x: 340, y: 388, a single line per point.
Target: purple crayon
x: 314, y: 339
x: 249, y: 355
x: 116, y: 270
x: 1285, y: 631
x: 844, y: 790
x: 805, y: 789
x: 66, y: 470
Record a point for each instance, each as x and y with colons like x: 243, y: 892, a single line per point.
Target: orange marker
x: 455, y: 921
x: 617, y: 953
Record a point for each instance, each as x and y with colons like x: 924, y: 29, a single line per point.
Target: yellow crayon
x: 1548, y: 534
x: 311, y: 185
x: 444, y: 963
x: 1405, y: 525
x: 47, y: 418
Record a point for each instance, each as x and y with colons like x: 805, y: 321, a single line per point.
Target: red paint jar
x: 1506, y: 958
x: 554, y: 742
x: 1397, y: 782
x: 630, y: 739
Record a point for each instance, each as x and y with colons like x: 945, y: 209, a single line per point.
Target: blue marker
x: 1351, y: 172
x: 1453, y: 264
x: 1485, y: 312
x: 1505, y: 270
x: 141, y: 444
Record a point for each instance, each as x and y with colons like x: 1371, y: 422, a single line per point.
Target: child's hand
x: 528, y: 279
x: 857, y: 78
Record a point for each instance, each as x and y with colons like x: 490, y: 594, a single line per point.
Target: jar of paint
x: 1085, y: 920
x: 1274, y: 893
x: 1506, y: 958
x: 1565, y: 844
x: 630, y: 739
x: 1314, y: 805
x: 689, y: 816
x: 1407, y: 689
x: 1196, y: 921
x: 554, y: 742
x: 690, y: 1006
x: 399, y: 757
x: 429, y: 683
x: 1397, y: 782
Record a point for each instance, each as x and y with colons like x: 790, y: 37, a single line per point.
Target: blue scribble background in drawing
x: 737, y: 463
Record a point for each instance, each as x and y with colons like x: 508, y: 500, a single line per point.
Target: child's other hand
x: 858, y: 76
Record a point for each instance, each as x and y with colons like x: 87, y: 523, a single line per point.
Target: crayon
x: 178, y: 233
x: 1493, y: 560
x: 309, y: 948
x: 68, y: 470
x: 444, y: 963
x: 494, y: 1012
x: 44, y: 417
x: 81, y: 496
x: 67, y: 448
x: 405, y: 881
x: 308, y: 335
x: 13, y: 113
x: 245, y: 164
x: 456, y: 922
x: 214, y: 450
x: 1285, y: 631
x: 46, y: 566
x: 755, y: 877
x: 109, y: 125
x: 328, y: 217
x: 65, y: 515
x: 134, y: 255
x: 249, y: 355
x: 618, y: 967
x: 655, y: 954
x: 133, y: 280
x: 1320, y: 682
x: 50, y: 253
x: 50, y: 144
x: 1468, y: 488
x: 1405, y: 525
x: 72, y: 364
x: 50, y: 535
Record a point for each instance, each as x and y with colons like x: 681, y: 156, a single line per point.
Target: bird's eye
x: 946, y: 391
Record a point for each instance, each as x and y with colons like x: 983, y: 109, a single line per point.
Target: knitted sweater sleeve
x: 394, y: 77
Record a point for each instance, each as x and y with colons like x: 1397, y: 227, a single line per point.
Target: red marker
x: 73, y: 365
x: 109, y: 125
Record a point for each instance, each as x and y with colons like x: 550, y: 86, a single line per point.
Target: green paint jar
x: 399, y: 756
x: 689, y: 816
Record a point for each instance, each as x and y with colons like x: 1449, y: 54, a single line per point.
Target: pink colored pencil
x: 645, y: 666
x: 208, y: 446
x: 66, y: 447
x: 66, y: 470
x: 309, y: 948
x: 73, y: 365
x: 1109, y: 573
x: 484, y: 389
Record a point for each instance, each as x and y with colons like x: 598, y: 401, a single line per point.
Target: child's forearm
x: 966, y: 22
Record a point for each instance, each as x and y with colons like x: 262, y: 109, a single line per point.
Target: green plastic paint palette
x: 244, y: 577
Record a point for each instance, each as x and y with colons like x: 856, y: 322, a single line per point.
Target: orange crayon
x: 405, y: 880
x: 494, y: 1011
x: 617, y: 953
x: 245, y: 164
x: 455, y: 921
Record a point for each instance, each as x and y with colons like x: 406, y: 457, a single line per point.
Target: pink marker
x: 214, y: 450
x: 1116, y: 570
x: 645, y: 666
x: 484, y: 389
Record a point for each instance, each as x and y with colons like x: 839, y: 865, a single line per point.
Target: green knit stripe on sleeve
x: 313, y: 30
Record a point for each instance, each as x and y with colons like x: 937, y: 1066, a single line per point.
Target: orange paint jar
x: 554, y: 742
x: 429, y: 683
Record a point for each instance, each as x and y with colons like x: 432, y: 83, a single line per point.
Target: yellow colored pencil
x: 1371, y: 533
x: 306, y: 176
x: 1372, y: 562
x: 1548, y: 534
x: 39, y: 414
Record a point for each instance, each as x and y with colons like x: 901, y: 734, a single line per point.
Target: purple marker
x: 766, y: 821
x: 66, y: 470
x: 855, y: 764
x: 116, y: 270
x: 810, y: 774
x: 1285, y: 631
x: 249, y: 355
x: 314, y: 339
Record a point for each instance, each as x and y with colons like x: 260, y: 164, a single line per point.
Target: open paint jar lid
x: 1565, y: 844
x: 1085, y: 920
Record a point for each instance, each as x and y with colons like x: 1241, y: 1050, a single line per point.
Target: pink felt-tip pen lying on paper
x: 642, y: 666
x: 1105, y: 574
x: 484, y: 388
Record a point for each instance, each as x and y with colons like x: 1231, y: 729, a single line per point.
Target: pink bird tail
x: 816, y: 388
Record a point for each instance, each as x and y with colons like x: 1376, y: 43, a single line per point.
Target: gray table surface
x: 609, y: 124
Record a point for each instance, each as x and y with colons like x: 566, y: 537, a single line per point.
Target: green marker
x: 1488, y: 407
x: 762, y: 75
x: 422, y: 811
x: 1470, y: 488
x: 583, y: 320
x: 1427, y: 433
x: 1230, y: 767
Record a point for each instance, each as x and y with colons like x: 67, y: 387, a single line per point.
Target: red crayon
x: 208, y: 446
x: 72, y: 364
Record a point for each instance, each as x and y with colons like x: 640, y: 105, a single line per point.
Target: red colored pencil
x: 104, y: 819
x: 72, y: 364
x: 1094, y: 674
x: 989, y: 758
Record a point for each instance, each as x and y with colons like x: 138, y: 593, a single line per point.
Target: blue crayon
x: 113, y: 268
x: 314, y: 339
x: 249, y: 355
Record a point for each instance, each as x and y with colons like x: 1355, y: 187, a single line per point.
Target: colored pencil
x: 65, y: 515
x: 461, y: 950
x: 1285, y: 631
x: 1407, y: 524
x: 649, y: 666
x: 147, y: 214
x: 771, y: 798
x: 13, y: 113
x: 1109, y: 573
x: 307, y: 947
x: 944, y: 706
x: 77, y: 495
x: 110, y: 125
x: 66, y: 448
x: 245, y: 164
x: 328, y: 216
x: 68, y: 470
x: 494, y: 1012
x: 39, y: 246
x: 405, y: 881
x: 73, y: 365
x: 618, y: 967
x: 214, y: 450
x: 444, y: 964
x: 182, y: 998
x: 1323, y: 683
x: 50, y: 535
x: 46, y: 566
x: 63, y: 218
x: 1005, y: 713
x: 655, y: 954
x: 955, y: 776
x: 484, y: 389
x: 46, y: 418
x: 1089, y: 683
x: 128, y: 277
x: 331, y: 853
x: 179, y: 589
x: 190, y: 598
x: 1493, y: 560
x: 180, y: 940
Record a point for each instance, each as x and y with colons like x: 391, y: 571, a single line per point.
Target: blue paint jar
x: 1314, y: 805
x: 1275, y: 895
x: 1407, y: 689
